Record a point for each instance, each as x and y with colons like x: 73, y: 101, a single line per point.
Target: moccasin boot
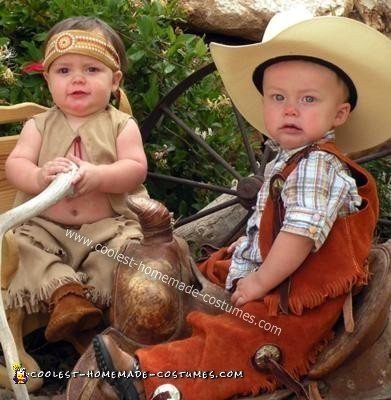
x: 70, y: 312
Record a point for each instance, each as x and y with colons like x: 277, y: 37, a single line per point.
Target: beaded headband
x: 88, y: 43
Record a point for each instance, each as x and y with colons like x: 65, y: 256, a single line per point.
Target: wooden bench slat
x: 9, y: 114
x: 7, y: 192
x: 19, y: 112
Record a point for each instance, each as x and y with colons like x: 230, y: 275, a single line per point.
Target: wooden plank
x: 19, y: 112
x: 7, y: 192
x: 9, y: 114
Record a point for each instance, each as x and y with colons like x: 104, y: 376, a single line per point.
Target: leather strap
x: 314, y: 391
x: 348, y: 313
x: 276, y: 183
x: 162, y: 396
x: 124, y: 104
x: 205, y: 252
x: 88, y: 389
x: 286, y: 379
x: 284, y: 290
x: 77, y: 147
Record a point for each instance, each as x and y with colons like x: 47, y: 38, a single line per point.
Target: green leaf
x: 158, y: 7
x: 4, y: 92
x: 3, y: 41
x: 33, y: 52
x: 40, y: 37
x: 169, y: 68
x: 145, y: 25
x: 137, y: 56
x: 187, y: 38
x: 151, y: 97
x: 171, y: 34
x: 183, y: 208
x: 14, y: 95
x: 200, y: 48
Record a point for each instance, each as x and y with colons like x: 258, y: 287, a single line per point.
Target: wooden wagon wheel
x: 248, y: 186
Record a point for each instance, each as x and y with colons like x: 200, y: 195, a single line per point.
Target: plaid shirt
x: 318, y: 190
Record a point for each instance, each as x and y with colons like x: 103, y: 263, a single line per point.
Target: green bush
x: 158, y: 56
x: 381, y: 170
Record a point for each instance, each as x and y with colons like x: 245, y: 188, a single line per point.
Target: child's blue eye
x: 92, y: 69
x: 63, y: 70
x: 278, y: 97
x: 308, y: 99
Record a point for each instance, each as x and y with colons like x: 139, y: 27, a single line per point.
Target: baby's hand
x: 87, y: 178
x: 248, y: 289
x: 233, y: 245
x: 50, y: 169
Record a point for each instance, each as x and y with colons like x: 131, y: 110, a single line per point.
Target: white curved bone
x: 57, y: 190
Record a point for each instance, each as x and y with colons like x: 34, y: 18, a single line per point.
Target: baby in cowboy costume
x: 83, y: 66
x: 318, y: 88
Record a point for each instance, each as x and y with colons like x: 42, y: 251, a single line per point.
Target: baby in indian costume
x: 83, y: 66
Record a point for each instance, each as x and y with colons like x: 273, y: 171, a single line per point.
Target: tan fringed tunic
x: 48, y: 256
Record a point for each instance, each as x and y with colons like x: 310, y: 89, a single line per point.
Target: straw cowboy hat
x: 359, y: 54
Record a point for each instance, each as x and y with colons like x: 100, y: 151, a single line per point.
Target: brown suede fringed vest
x: 341, y: 262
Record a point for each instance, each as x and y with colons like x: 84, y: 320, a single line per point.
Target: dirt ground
x: 59, y: 356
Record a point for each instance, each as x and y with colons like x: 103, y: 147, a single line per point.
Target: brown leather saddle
x: 151, y: 293
x: 138, y: 298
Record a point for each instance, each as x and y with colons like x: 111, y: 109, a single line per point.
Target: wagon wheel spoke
x: 384, y: 221
x: 153, y: 118
x: 266, y: 157
x: 247, y: 187
x: 233, y: 235
x: 370, y: 157
x: 202, y: 143
x: 199, y: 185
x: 249, y: 150
x: 206, y: 212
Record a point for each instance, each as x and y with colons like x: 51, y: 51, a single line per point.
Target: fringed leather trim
x: 100, y: 298
x: 270, y: 385
x: 304, y: 366
x: 311, y: 299
x: 272, y: 302
x: 32, y: 301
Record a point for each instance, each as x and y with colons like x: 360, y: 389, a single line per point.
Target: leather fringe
x: 34, y: 301
x: 311, y: 299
